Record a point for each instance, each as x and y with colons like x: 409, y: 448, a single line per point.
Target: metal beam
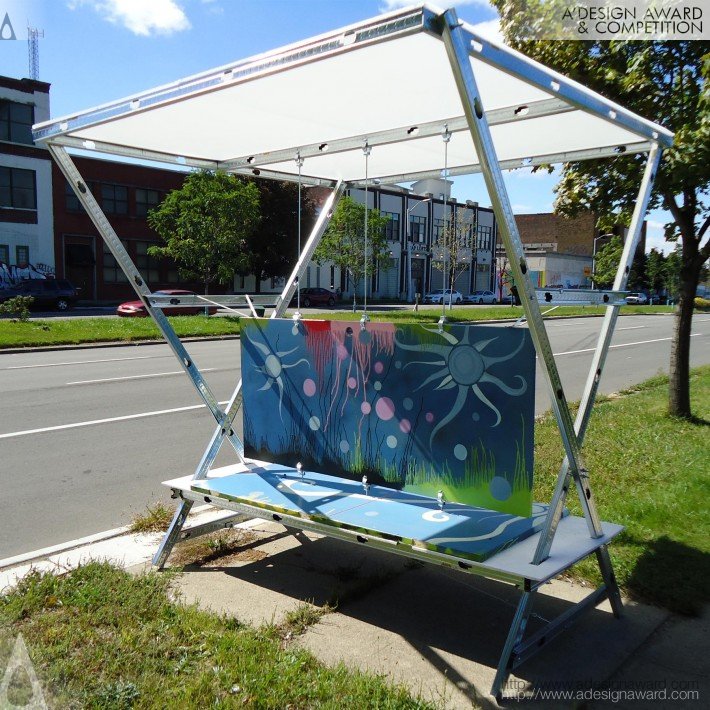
x: 514, y: 163
x: 599, y: 359
x: 455, y: 41
x: 508, y: 114
x: 119, y: 252
x: 518, y: 65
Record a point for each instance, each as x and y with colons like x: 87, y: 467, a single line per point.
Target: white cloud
x: 142, y: 17
x: 655, y: 238
x: 490, y: 30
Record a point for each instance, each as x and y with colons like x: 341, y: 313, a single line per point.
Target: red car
x: 136, y: 309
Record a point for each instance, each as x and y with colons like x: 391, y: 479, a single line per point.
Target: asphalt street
x: 87, y: 435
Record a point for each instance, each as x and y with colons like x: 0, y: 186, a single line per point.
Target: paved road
x: 86, y: 435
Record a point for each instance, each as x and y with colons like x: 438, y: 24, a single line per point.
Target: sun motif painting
x: 412, y: 407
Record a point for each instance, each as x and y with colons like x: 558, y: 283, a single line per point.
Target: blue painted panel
x: 473, y: 533
x: 412, y: 407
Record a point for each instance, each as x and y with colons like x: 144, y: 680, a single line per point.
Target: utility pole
x: 33, y: 35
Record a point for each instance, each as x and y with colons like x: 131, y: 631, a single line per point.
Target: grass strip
x: 74, y: 331
x: 648, y: 472
x: 102, y: 638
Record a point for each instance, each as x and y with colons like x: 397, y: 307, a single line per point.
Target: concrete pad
x: 673, y: 662
x: 441, y: 634
x: 296, y: 567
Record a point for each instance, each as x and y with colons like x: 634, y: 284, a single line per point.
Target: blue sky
x: 95, y: 51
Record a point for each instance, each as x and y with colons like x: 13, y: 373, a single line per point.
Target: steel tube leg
x: 171, y: 536
x: 515, y: 635
x: 235, y: 403
x: 600, y: 354
x: 609, y: 577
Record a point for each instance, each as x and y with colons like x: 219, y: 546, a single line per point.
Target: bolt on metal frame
x: 461, y: 44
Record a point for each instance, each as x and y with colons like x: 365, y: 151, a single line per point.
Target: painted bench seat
x: 462, y: 530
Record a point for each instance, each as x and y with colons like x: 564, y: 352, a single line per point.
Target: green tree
x: 667, y: 82
x: 272, y: 248
x: 206, y: 225
x: 656, y: 271
x: 606, y: 262
x: 455, y: 248
x: 344, y: 241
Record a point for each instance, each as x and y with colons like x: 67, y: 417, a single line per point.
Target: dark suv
x: 47, y: 293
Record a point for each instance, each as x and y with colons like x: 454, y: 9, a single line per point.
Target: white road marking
x: 621, y: 345
x: 632, y: 327
x: 124, y: 418
x: 136, y: 377
x: 82, y: 362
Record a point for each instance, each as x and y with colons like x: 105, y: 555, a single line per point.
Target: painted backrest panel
x: 408, y: 405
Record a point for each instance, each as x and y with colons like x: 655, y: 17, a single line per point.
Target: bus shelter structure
x: 312, y: 112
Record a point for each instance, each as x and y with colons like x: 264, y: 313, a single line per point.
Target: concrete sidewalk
x: 437, y: 631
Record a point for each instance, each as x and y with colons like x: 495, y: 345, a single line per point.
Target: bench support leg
x: 515, y: 636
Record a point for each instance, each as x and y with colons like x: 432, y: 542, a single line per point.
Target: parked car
x: 639, y: 299
x: 47, y: 293
x: 137, y: 309
x: 316, y: 296
x: 443, y: 294
x: 481, y: 297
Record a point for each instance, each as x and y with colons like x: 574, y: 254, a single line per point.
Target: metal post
x: 595, y: 371
x: 458, y: 52
x: 515, y: 635
x: 235, y: 402
x: 119, y: 252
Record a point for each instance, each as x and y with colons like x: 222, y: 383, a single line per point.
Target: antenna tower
x: 33, y: 35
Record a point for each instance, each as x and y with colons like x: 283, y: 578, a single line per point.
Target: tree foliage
x: 206, y: 225
x: 272, y: 248
x: 344, y: 241
x: 666, y: 82
x: 606, y: 262
x: 454, y: 249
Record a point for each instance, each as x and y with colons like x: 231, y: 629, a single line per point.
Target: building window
x: 16, y: 122
x: 391, y: 229
x: 483, y: 242
x: 114, y: 199
x: 71, y: 201
x: 146, y: 200
x: 148, y: 265
x: 5, y: 253
x: 17, y: 188
x: 22, y: 255
x: 417, y: 229
x: 438, y: 229
x: 113, y: 273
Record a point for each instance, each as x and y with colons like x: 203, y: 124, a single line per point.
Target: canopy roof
x: 387, y: 82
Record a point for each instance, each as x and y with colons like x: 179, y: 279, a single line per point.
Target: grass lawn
x: 14, y: 334
x: 101, y: 638
x: 650, y: 473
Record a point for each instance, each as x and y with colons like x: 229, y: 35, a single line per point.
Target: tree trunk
x: 679, y: 377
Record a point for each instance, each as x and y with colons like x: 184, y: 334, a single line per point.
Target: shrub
x: 702, y: 304
x: 18, y: 306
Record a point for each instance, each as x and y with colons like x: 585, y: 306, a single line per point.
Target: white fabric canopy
x: 387, y: 81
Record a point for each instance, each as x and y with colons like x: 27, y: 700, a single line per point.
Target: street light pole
x: 409, y: 242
